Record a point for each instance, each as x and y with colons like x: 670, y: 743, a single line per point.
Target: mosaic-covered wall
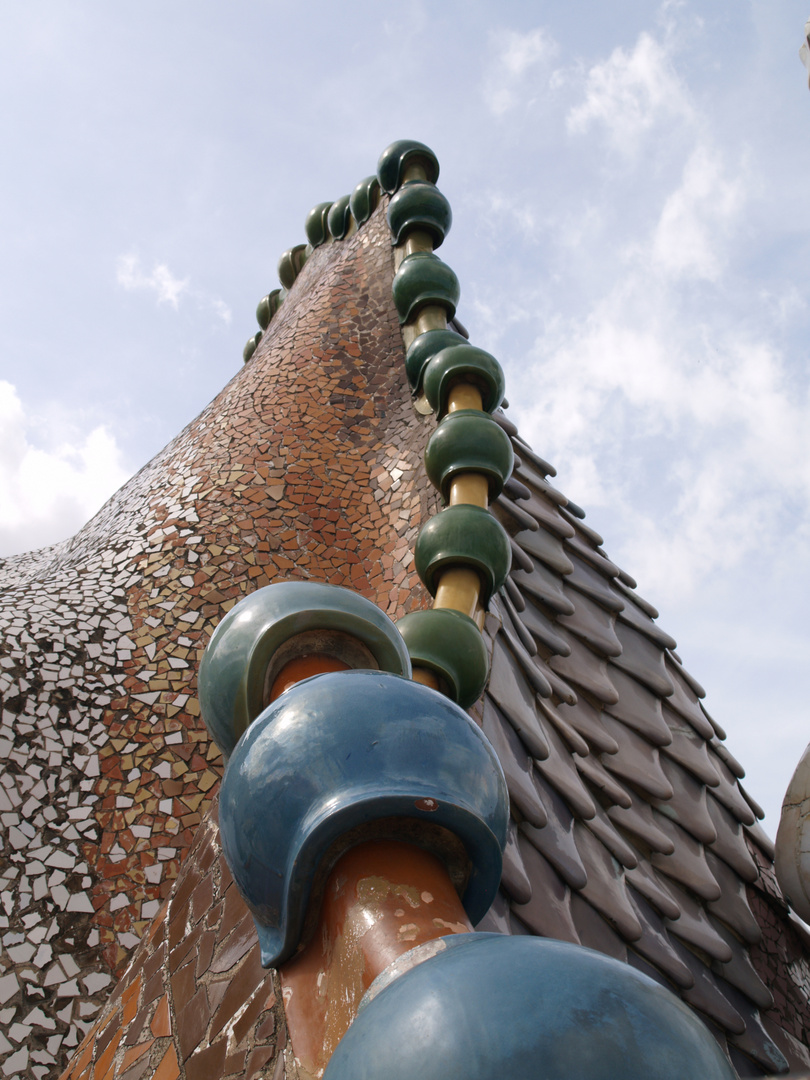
x: 195, y: 995
x: 308, y: 464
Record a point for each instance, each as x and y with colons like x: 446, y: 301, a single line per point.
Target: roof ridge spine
x: 325, y: 223
x: 462, y: 554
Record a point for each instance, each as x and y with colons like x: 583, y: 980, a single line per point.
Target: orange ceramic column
x: 382, y: 899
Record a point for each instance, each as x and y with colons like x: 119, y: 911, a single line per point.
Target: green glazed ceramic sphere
x: 395, y: 159
x: 250, y: 346
x: 424, y: 348
x: 424, y: 279
x: 449, y: 644
x: 364, y: 199
x: 469, y: 440
x: 419, y: 205
x: 316, y: 225
x: 463, y: 364
x: 339, y: 218
x: 463, y: 536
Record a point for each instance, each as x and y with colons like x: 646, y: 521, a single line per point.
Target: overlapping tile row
x: 308, y: 464
x: 631, y: 833
x: 194, y: 1001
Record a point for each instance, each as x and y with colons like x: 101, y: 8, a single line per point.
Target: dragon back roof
x: 127, y: 949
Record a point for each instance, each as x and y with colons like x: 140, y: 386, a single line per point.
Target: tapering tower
x: 128, y: 951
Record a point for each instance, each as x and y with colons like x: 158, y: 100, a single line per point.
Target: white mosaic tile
x: 9, y: 985
x: 18, y: 1060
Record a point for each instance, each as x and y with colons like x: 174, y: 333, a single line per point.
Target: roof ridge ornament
x: 403, y: 160
x: 463, y: 554
x: 316, y: 225
x: 326, y: 221
x: 365, y: 199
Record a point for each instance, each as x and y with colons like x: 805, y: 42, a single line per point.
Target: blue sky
x: 629, y: 187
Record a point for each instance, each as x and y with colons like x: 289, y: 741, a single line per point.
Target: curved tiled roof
x: 630, y: 831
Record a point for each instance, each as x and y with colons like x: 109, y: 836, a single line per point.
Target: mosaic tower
x: 128, y: 948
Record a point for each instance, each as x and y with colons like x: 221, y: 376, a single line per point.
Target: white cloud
x: 519, y: 52
x: 686, y: 432
x: 502, y: 212
x: 784, y: 306
x: 696, y: 442
x: 696, y: 215
x: 167, y: 288
x: 629, y: 93
x: 50, y: 492
x: 221, y: 310
x: 161, y: 281
x: 516, y: 56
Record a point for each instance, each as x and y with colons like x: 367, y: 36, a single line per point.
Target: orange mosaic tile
x: 161, y: 1024
x: 80, y: 1061
x: 168, y: 1069
x: 104, y: 1063
x: 129, y: 1000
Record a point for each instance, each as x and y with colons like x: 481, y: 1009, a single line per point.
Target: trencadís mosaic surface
x: 630, y: 832
x: 308, y: 464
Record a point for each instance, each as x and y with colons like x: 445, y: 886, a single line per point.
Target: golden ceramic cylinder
x: 414, y: 170
x: 459, y: 589
x: 464, y: 396
x: 426, y: 677
x: 431, y: 317
x: 417, y: 240
x: 470, y: 488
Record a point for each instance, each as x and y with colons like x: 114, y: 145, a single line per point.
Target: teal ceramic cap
x: 260, y: 633
x: 525, y: 1008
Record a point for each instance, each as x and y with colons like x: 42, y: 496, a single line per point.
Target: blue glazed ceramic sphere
x: 335, y: 755
x: 525, y: 1008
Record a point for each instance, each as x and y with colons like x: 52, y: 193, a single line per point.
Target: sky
x: 629, y: 187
